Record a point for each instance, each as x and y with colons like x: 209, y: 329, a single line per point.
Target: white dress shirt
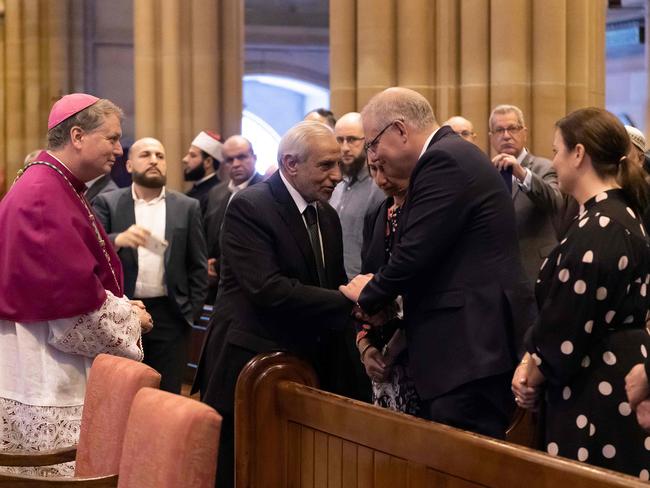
x: 150, y: 215
x: 302, y: 204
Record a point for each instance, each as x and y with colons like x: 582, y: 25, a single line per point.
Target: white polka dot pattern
x: 601, y: 196
x: 566, y: 393
x: 581, y: 421
x: 566, y: 347
x: 589, y: 326
x: 646, y: 443
x: 631, y: 212
x: 605, y: 388
x: 609, y: 316
x: 622, y: 263
x: 624, y: 409
x: 601, y: 293
x: 563, y: 275
x: 644, y: 475
x: 552, y: 448
x: 609, y: 358
x: 609, y: 451
x: 644, y: 351
x: 586, y: 361
x: 592, y: 430
x: 603, y: 221
x: 580, y: 287
x: 583, y: 454
x: 588, y: 257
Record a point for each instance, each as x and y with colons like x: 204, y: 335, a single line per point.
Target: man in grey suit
x: 535, y: 192
x: 158, y: 236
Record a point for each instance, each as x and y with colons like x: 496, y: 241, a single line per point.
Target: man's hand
x: 146, y: 322
x: 375, y: 366
x: 636, y: 385
x: 134, y: 236
x: 504, y: 161
x: 213, y: 275
x: 353, y: 289
x: 643, y: 415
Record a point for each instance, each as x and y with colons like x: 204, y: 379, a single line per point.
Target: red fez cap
x: 68, y: 106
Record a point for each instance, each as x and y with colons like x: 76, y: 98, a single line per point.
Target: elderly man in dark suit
x: 281, y: 264
x: 539, y: 204
x: 456, y: 264
x: 239, y: 161
x: 159, y: 239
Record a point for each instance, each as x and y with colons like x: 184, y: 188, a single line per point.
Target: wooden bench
x: 289, y: 434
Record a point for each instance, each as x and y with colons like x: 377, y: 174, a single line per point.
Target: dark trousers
x: 484, y: 406
x: 165, y: 347
x: 226, y: 455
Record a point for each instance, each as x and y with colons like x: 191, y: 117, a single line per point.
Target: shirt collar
x: 150, y: 202
x: 300, y: 202
x: 522, y: 155
x: 205, y: 178
x: 235, y: 188
x: 93, y: 181
x: 362, y: 175
x: 427, y: 142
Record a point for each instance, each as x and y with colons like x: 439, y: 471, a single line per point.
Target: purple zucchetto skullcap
x: 68, y: 106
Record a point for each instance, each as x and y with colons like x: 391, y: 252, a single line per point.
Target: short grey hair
x: 507, y: 109
x: 296, y: 141
x: 88, y: 120
x: 399, y: 103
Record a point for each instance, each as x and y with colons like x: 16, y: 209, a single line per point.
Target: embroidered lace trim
x: 113, y: 329
x: 33, y: 428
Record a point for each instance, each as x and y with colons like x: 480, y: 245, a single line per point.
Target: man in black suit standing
x: 171, y: 279
x: 281, y: 264
x: 456, y: 264
x: 239, y: 161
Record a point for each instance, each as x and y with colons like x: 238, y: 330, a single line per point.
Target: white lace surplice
x: 43, y: 372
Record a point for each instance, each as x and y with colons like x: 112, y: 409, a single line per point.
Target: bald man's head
x: 239, y: 158
x: 463, y: 127
x: 349, y: 135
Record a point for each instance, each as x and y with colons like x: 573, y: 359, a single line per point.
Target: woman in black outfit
x: 593, y: 295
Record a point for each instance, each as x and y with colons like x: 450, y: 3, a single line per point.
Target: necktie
x: 506, y: 174
x: 312, y: 227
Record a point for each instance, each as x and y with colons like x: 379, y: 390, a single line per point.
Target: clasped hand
x: 146, y: 321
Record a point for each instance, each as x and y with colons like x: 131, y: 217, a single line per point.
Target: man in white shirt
x: 158, y: 236
x: 535, y: 192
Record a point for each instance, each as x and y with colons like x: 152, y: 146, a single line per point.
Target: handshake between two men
x: 377, y: 362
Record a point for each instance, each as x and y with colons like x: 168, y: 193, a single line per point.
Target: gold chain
x: 91, y: 216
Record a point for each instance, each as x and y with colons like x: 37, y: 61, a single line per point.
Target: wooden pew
x: 289, y: 434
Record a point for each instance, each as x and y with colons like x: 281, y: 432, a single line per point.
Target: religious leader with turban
x: 61, y: 298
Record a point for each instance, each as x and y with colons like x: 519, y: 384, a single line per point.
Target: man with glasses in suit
x: 534, y: 187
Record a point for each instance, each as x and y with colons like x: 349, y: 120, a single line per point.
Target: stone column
x: 188, y: 72
x: 467, y: 56
x: 34, y: 36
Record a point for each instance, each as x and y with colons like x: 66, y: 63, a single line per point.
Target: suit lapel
x: 515, y: 187
x: 170, y: 205
x: 295, y: 223
x: 125, y: 216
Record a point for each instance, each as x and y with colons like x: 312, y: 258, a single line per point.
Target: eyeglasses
x: 239, y: 157
x: 512, y: 130
x: 372, y: 145
x: 349, y: 139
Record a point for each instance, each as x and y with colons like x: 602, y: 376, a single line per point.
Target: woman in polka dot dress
x: 593, y: 295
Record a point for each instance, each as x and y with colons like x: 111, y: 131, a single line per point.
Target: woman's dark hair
x: 606, y: 141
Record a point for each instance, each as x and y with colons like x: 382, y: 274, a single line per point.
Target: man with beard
x: 200, y: 165
x: 158, y: 236
x: 356, y: 193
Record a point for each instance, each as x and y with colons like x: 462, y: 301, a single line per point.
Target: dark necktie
x: 506, y: 174
x: 312, y: 226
